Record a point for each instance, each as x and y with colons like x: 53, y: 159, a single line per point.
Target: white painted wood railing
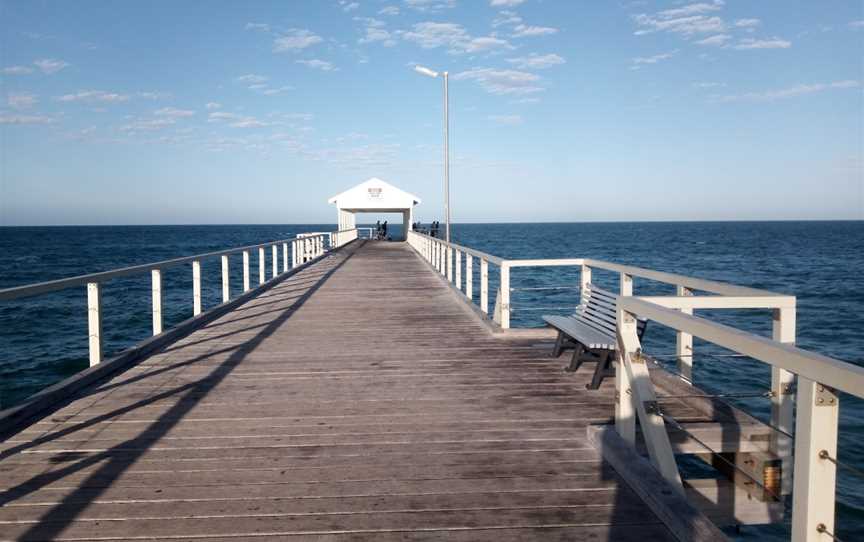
x: 303, y: 250
x: 819, y: 378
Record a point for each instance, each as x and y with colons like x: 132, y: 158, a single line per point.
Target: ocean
x: 44, y: 339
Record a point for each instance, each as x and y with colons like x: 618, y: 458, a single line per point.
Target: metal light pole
x: 432, y: 73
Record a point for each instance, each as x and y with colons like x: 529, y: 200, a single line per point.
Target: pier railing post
x: 505, y: 295
x: 275, y: 256
x: 196, y: 287
x: 813, y: 497
x: 782, y: 399
x: 295, y: 257
x: 469, y: 276
x: 94, y: 322
x: 226, y: 280
x: 458, y: 270
x: 262, y: 278
x: 625, y: 413
x: 484, y: 285
x: 156, y: 289
x: 684, y: 343
x: 449, y: 264
x: 246, y: 280
x: 584, y: 279
x: 284, y: 257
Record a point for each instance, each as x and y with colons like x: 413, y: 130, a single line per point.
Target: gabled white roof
x: 374, y: 194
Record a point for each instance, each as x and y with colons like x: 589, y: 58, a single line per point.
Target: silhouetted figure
x: 384, y: 230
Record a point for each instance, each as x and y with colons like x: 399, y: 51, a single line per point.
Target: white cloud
x: 686, y: 20
x: 537, y: 62
x: 296, y: 39
x: 506, y: 17
x: 747, y: 23
x: 507, y: 120
x: 389, y: 10
x: 213, y: 105
x: 857, y: 24
x: 21, y: 100
x: 718, y: 40
x: 259, y: 27
x: 430, y: 5
x: 526, y: 101
x: 276, y: 91
x: 505, y: 3
x: 349, y: 6
x: 173, y: 112
x: 503, y: 82
x: 454, y: 37
x: 24, y: 119
x: 525, y: 31
x: 146, y: 125
x: 375, y: 31
x: 317, y: 64
x: 252, y: 79
x: 50, y: 65
x: 789, y: 92
x: 94, y: 96
x: 654, y: 59
x: 708, y: 84
x: 235, y: 121
x: 773, y: 43
x: 17, y: 70
x: 153, y: 95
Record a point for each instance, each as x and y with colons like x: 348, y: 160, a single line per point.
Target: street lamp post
x: 444, y: 75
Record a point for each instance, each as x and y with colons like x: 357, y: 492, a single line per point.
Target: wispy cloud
x: 719, y: 40
x: 457, y: 40
x: 654, y: 59
x: 147, y: 125
x: 317, y: 64
x: 349, y: 6
x: 375, y: 31
x: 430, y: 5
x: 505, y: 3
x: 788, y: 92
x: 212, y: 105
x: 258, y: 27
x: 537, y: 62
x: 708, y: 84
x: 747, y: 23
x: 94, y: 96
x: 506, y: 120
x: 526, y: 31
x: 686, y: 20
x: 389, y: 10
x: 503, y: 82
x: 21, y: 100
x: 857, y: 24
x: 17, y: 70
x: 772, y: 43
x: 275, y: 91
x: 50, y: 65
x: 234, y: 120
x: 173, y: 112
x: 25, y: 119
x: 252, y: 78
x: 296, y: 39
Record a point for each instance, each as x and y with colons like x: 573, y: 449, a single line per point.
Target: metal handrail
x: 28, y: 290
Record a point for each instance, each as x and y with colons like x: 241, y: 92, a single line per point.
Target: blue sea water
x: 44, y: 339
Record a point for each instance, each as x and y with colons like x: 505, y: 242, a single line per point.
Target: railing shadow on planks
x: 805, y: 438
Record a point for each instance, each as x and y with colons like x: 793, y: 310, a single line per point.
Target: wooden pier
x: 359, y: 393
x: 357, y: 398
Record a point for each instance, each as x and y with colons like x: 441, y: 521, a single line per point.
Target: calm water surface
x: 43, y: 339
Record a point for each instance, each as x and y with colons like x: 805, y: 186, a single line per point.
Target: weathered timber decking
x: 356, y: 399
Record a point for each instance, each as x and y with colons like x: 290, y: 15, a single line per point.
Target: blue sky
x: 257, y: 112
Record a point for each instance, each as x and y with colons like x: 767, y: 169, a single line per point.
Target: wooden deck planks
x: 358, y: 399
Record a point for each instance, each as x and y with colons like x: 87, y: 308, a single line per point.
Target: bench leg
x: 576, y: 360
x: 559, y: 344
x: 601, y: 371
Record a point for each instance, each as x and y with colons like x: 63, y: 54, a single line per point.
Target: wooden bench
x: 591, y: 330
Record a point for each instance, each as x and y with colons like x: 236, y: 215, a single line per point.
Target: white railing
x: 819, y: 378
x: 303, y: 250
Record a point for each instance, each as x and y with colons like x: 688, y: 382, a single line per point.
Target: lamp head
x: 425, y: 71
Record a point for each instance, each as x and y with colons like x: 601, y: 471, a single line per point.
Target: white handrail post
x: 246, y: 281
x: 94, y: 322
x: 196, y: 287
x: 294, y: 254
x: 284, y: 257
x: 625, y: 412
x: 505, y: 295
x: 458, y: 269
x: 449, y: 264
x: 156, y: 289
x: 226, y: 279
x: 275, y: 256
x: 626, y: 285
x: 484, y: 285
x: 262, y: 278
x: 469, y: 276
x: 815, y: 475
x: 684, y: 343
x: 782, y: 401
x: 584, y: 279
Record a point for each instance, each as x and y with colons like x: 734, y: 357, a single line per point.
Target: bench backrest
x: 598, y: 309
